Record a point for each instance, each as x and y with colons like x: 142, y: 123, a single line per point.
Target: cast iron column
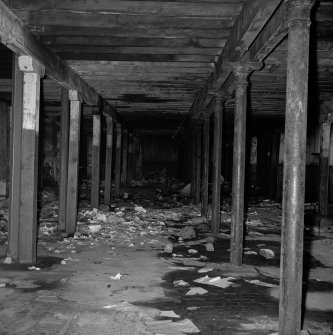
x: 117, y: 176
x: 193, y: 161
x: 291, y: 263
x: 198, y: 157
x: 241, y: 73
x: 217, y: 153
x: 205, y: 165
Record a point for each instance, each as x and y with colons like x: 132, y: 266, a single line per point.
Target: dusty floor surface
x: 131, y: 263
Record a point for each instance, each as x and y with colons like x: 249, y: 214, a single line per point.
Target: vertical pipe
x: 217, y: 154
x: 291, y: 263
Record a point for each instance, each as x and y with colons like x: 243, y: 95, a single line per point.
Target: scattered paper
x: 169, y: 314
x: 180, y: 283
x: 196, y: 290
x: 260, y: 283
x: 216, y: 281
x: 33, y: 268
x: 204, y: 270
x: 116, y: 277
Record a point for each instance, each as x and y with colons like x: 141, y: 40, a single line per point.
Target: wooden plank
x: 73, y: 161
x: 128, y: 31
x: 125, y: 158
x: 96, y: 161
x: 33, y: 71
x: 137, y: 57
x: 214, y: 42
x: 112, y: 20
x: 101, y: 49
x: 118, y: 160
x: 64, y: 135
x: 15, y: 161
x: 18, y: 38
x: 153, y: 8
x: 108, y: 160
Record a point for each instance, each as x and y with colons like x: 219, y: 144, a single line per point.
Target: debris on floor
x: 216, y: 281
x: 196, y: 290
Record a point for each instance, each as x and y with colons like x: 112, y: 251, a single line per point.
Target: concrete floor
x: 119, y: 279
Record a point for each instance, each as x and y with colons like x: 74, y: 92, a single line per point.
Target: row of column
x: 22, y: 243
x: 298, y: 18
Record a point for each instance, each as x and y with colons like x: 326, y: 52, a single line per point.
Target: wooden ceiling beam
x: 111, y: 20
x: 128, y: 31
x: 252, y: 18
x: 153, y: 8
x: 19, y: 39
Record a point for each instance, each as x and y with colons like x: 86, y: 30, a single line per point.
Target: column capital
x: 74, y: 95
x: 30, y: 64
x: 206, y: 114
x: 109, y: 119
x: 242, y: 70
x: 298, y: 11
x: 118, y: 125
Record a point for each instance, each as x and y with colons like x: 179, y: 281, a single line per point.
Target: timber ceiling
x: 153, y: 59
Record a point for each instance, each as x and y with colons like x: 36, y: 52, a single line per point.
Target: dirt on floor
x: 147, y: 264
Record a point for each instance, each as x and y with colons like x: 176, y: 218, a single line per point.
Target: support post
x: 193, y: 161
x: 73, y: 161
x: 96, y: 161
x: 140, y: 169
x: 64, y: 136
x: 325, y: 142
x: 118, y: 160
x: 198, y: 162
x: 108, y: 160
x: 205, y: 165
x: 217, y: 154
x: 33, y: 71
x: 125, y: 158
x: 291, y: 264
x: 15, y: 161
x: 4, y: 127
x: 136, y: 159
x: 130, y: 158
x: 241, y: 73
